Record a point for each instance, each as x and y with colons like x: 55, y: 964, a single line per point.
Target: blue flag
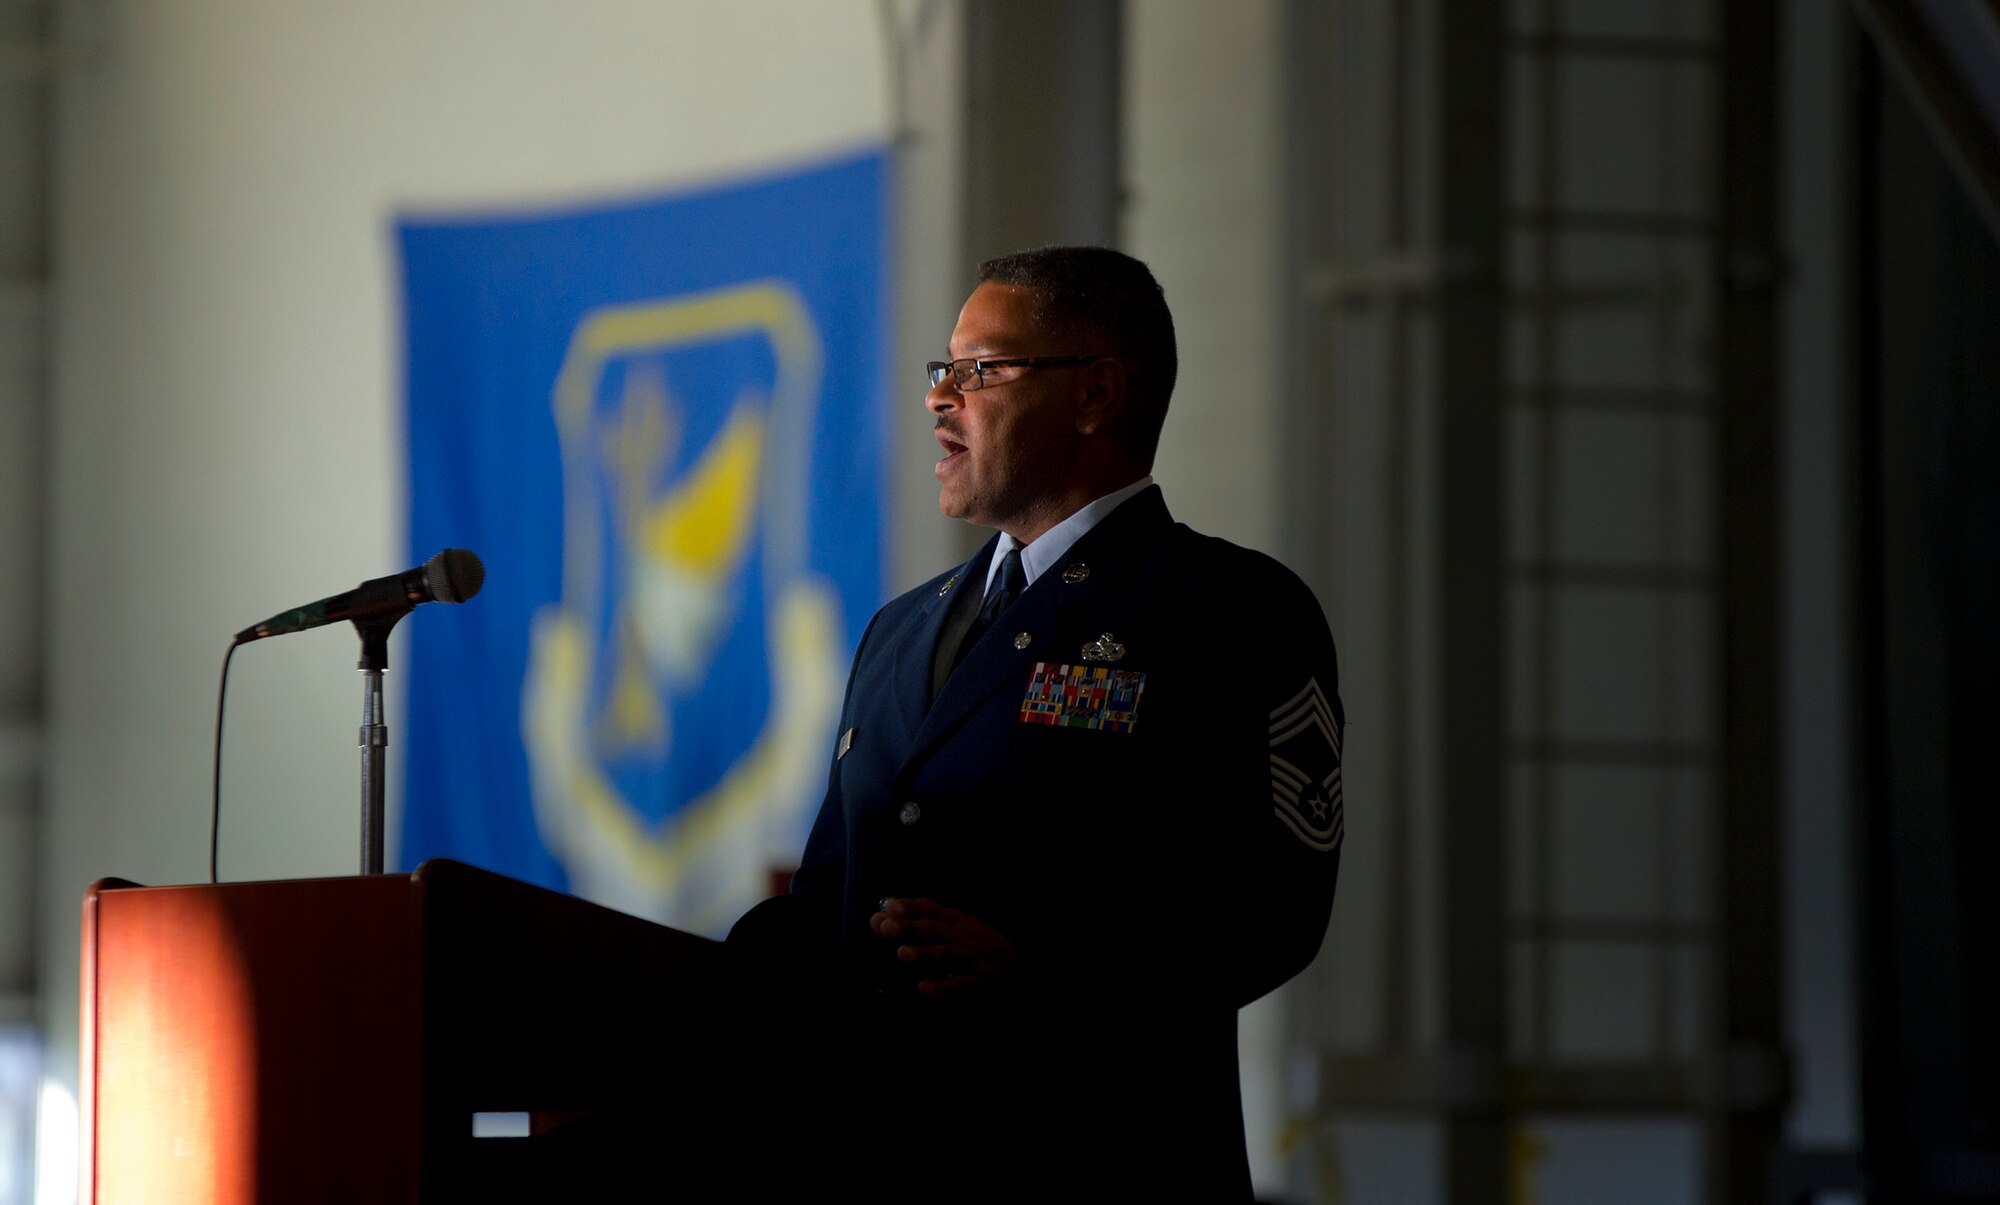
x: 662, y: 425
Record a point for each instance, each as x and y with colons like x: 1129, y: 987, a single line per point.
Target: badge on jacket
x: 1083, y: 696
x: 1305, y: 769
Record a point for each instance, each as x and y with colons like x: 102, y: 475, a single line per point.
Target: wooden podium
x: 332, y: 1039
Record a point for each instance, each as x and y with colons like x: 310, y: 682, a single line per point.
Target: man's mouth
x: 952, y: 447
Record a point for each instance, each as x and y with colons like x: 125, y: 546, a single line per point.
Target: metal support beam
x: 1042, y: 123
x: 1309, y: 502
x: 1745, y: 1126
x: 1470, y: 192
x: 25, y: 85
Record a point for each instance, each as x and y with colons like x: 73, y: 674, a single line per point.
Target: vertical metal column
x: 1470, y: 195
x: 27, y: 78
x: 26, y: 83
x: 1745, y: 1124
x: 1042, y: 127
x: 1013, y: 117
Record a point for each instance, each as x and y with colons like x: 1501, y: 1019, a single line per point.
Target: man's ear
x: 1105, y: 395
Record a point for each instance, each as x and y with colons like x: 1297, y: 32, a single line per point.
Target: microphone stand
x: 374, y: 738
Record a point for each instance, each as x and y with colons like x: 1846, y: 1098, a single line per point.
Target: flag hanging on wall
x: 662, y: 425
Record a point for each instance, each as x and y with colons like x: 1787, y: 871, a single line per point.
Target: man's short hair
x: 1106, y: 295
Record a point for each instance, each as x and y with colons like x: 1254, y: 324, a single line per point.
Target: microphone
x: 452, y: 576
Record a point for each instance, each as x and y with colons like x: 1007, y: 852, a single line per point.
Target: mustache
x: 949, y: 429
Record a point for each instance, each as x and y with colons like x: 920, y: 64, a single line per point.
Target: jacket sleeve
x: 1239, y: 878
x: 1281, y: 802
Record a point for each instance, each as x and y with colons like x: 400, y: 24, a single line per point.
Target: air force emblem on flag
x: 683, y: 686
x: 661, y: 420
x: 1305, y: 768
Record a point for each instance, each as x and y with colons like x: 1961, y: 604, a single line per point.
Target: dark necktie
x: 1007, y: 586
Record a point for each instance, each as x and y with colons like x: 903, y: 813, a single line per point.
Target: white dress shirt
x: 1038, y: 557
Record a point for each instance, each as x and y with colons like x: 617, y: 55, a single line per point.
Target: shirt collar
x: 1036, y: 558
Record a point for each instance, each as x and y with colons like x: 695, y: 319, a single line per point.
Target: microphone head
x: 454, y: 575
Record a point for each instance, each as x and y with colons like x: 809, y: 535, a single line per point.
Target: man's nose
x: 942, y: 396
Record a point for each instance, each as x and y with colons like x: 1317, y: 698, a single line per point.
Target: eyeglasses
x: 968, y: 375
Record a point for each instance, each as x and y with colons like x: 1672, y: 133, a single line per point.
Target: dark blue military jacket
x: 1135, y: 776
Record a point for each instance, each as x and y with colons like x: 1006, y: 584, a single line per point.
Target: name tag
x: 1083, y: 696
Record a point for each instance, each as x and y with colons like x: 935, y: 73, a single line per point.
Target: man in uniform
x: 1085, y: 798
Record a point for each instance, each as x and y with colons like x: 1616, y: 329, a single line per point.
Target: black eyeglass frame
x: 960, y: 380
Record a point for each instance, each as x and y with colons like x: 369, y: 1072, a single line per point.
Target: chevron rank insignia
x: 1305, y: 769
x: 1083, y: 696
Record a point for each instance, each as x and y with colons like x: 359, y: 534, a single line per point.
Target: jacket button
x: 910, y: 814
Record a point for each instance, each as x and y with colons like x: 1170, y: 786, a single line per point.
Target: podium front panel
x: 254, y: 1042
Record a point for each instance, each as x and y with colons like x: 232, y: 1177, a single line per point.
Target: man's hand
x: 950, y: 951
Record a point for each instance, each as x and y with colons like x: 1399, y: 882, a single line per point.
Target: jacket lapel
x: 915, y: 647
